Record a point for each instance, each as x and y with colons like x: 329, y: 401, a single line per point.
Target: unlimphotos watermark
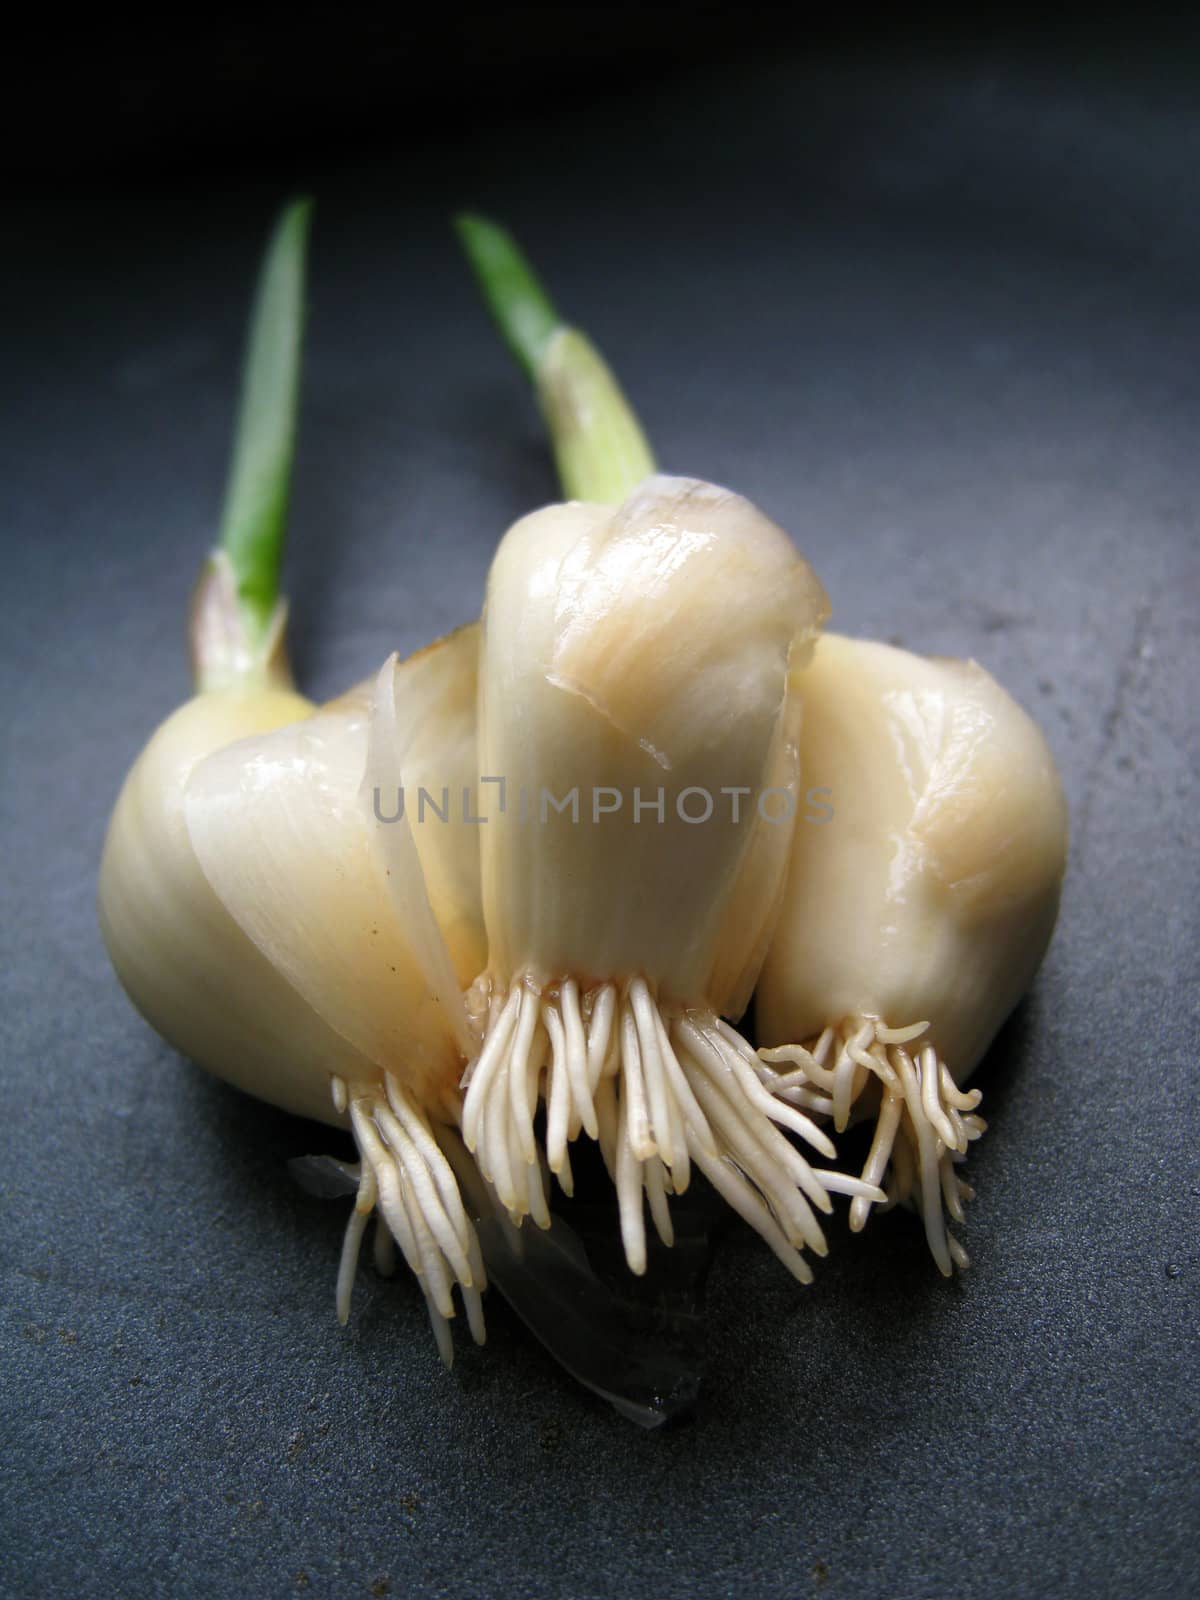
x: 693, y: 805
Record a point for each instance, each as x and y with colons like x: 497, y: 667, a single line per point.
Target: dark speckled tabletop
x: 942, y: 323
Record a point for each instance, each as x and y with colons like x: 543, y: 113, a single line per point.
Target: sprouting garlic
x: 636, y: 718
x: 917, y: 915
x: 258, y: 922
x: 250, y: 907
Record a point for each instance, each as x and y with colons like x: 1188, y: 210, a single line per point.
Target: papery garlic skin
x: 629, y: 651
x: 929, y: 897
x: 428, y: 746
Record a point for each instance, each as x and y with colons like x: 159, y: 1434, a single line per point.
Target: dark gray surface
x: 942, y: 323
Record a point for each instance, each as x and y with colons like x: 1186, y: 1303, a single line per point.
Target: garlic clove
x: 628, y: 654
x: 916, y: 917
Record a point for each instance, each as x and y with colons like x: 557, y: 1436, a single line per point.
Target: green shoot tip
x: 522, y: 309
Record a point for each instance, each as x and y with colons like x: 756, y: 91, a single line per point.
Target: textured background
x: 940, y: 320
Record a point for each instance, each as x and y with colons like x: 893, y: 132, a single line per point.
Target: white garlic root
x: 660, y: 1089
x: 405, y: 1174
x: 923, y: 1126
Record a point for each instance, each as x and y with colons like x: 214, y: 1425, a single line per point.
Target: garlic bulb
x: 636, y: 721
x: 917, y: 915
x: 259, y: 924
